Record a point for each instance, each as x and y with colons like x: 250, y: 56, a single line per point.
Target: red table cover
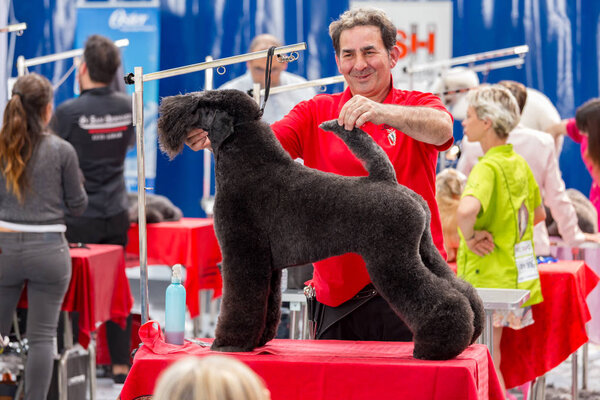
x: 189, y: 241
x: 559, y: 327
x: 307, y: 369
x: 98, y: 290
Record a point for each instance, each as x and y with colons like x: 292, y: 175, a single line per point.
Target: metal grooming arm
x: 23, y: 63
x: 472, y: 60
x: 17, y: 28
x: 138, y: 78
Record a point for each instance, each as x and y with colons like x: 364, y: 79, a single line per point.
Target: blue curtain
x: 562, y: 63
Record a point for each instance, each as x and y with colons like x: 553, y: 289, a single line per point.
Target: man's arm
x: 424, y: 124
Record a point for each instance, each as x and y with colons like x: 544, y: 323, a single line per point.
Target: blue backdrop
x: 562, y: 63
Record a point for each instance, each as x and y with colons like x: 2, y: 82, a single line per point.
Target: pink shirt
x: 577, y: 137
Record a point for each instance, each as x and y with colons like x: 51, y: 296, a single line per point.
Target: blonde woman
x: 498, y: 209
x: 210, y: 378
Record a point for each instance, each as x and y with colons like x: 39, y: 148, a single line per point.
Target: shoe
x: 119, y: 378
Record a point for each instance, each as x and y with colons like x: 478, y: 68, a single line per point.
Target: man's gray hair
x: 263, y: 42
x: 496, y: 103
x: 364, y: 17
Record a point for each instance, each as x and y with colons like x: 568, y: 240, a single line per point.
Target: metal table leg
x: 584, y: 368
x: 488, y: 333
x: 574, y: 390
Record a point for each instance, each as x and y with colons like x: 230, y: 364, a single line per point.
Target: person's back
x: 504, y: 183
x: 99, y: 125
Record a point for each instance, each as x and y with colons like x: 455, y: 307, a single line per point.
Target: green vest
x: 503, y: 184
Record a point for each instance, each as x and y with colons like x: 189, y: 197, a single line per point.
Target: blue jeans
x: 43, y: 261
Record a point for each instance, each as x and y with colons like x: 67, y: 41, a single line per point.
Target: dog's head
x: 215, y: 111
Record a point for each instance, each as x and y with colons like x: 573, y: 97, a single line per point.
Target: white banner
x: 424, y: 35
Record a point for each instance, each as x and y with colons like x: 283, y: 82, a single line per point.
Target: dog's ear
x: 218, y: 124
x: 177, y: 118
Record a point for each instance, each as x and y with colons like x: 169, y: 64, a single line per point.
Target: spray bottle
x: 175, y: 308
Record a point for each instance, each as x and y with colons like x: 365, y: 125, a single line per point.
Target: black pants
x: 367, y: 316
x: 111, y: 230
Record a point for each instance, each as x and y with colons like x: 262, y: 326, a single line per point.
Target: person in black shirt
x: 99, y: 125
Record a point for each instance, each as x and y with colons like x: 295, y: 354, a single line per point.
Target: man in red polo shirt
x: 410, y: 126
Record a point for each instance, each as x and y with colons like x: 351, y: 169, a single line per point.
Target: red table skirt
x: 189, y: 241
x: 306, y: 369
x: 559, y: 327
x: 99, y: 289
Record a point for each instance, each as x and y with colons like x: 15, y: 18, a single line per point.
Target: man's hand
x: 359, y: 110
x: 481, y: 243
x: 197, y: 139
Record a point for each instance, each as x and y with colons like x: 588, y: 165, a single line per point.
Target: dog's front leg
x: 244, y: 305
x: 273, y: 309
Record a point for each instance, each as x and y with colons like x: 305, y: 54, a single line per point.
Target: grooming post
x: 141, y: 170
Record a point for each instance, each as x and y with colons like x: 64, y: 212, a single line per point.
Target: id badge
x: 525, y: 258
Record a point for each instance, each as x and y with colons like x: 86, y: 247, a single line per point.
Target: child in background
x: 210, y: 378
x: 499, y: 207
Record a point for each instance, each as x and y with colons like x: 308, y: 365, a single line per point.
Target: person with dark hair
x: 585, y: 130
x: 537, y: 148
x: 39, y: 178
x: 410, y: 126
x: 99, y: 125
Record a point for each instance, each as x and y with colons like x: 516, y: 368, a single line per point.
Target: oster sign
x: 424, y: 33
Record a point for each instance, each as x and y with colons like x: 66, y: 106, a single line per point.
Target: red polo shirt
x: 338, y: 279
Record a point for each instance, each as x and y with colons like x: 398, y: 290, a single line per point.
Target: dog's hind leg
x: 273, y: 309
x: 439, y: 316
x: 246, y: 283
x: 435, y: 262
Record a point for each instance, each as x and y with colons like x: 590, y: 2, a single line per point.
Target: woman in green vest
x: 498, y: 209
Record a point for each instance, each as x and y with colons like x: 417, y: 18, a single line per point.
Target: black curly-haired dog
x: 271, y: 213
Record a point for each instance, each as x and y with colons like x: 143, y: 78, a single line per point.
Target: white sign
x: 424, y: 35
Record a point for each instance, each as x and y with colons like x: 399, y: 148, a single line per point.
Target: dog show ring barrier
x: 137, y: 78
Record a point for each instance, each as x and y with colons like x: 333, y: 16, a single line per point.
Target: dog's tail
x: 365, y: 149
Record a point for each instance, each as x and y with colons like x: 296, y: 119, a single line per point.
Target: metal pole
x: 139, y: 133
x: 20, y: 66
x: 18, y: 28
x: 294, y: 86
x: 206, y: 203
x: 65, y: 54
x: 518, y: 50
x: 256, y: 92
x: 221, y: 62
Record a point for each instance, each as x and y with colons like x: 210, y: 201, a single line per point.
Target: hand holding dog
x: 197, y: 139
x: 359, y: 110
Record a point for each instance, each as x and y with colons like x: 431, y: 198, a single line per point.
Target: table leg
x: 488, y: 332
x: 538, y: 388
x: 574, y: 390
x: 92, y: 369
x: 584, y: 368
